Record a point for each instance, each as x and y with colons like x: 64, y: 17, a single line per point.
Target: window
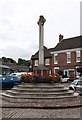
x: 47, y: 61
x: 68, y: 57
x: 56, y: 69
x: 55, y: 58
x: 36, y: 62
x: 77, y: 56
x: 71, y: 73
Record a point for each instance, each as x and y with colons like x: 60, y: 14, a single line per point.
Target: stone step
x: 39, y: 89
x: 42, y: 99
x: 41, y: 85
x: 39, y: 94
x: 33, y: 94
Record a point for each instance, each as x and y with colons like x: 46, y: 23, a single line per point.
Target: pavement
x: 41, y: 113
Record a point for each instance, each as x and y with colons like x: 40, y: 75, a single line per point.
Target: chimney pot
x: 60, y: 37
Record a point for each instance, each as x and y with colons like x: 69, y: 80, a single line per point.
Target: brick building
x: 66, y: 56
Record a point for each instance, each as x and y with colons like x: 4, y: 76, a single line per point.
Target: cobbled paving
x: 41, y: 113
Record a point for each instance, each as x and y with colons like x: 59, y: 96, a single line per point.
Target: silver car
x: 76, y: 85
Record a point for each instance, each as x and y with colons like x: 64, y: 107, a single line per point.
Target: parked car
x: 71, y: 78
x: 64, y: 79
x: 0, y: 75
x: 7, y: 82
x: 17, y: 74
x: 76, y: 85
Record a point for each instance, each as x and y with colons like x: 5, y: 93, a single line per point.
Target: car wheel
x: 67, y: 81
x: 75, y: 88
x: 71, y: 88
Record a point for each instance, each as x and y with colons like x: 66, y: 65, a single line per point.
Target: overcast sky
x: 19, y: 31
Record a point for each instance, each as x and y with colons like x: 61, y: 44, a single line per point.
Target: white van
x: 17, y: 74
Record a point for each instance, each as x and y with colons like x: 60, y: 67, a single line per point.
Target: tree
x: 7, y: 59
x: 12, y: 61
x: 24, y: 62
x: 20, y: 61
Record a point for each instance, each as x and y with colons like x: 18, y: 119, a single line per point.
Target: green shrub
x: 31, y: 79
x: 41, y: 79
x: 47, y: 79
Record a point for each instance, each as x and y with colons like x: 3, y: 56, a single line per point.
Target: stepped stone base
x: 40, y: 99
x: 40, y: 95
x: 72, y: 103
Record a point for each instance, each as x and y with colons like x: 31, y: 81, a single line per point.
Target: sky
x: 19, y: 31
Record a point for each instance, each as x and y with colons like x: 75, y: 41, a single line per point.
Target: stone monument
x: 41, y: 69
x: 41, y: 40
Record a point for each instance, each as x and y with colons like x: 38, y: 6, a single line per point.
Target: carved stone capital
x: 41, y: 21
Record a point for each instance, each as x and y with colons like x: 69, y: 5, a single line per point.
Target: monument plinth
x: 41, y: 69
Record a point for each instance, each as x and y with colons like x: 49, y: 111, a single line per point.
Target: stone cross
x: 41, y: 40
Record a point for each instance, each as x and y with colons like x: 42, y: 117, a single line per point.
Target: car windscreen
x: 0, y: 77
x: 6, y: 78
x: 74, y: 82
x: 80, y: 83
x: 80, y: 78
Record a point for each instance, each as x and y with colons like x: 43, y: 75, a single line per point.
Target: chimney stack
x: 60, y: 37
